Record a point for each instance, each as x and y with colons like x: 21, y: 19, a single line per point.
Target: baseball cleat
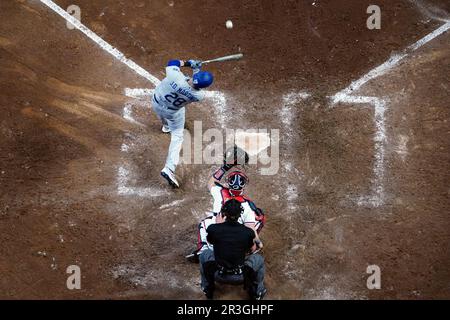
x: 168, y: 174
x: 165, y: 129
x: 209, y: 293
x: 260, y: 295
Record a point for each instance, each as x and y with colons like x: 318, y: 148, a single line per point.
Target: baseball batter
x: 169, y: 101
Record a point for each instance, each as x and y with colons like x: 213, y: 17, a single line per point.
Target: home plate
x: 252, y: 142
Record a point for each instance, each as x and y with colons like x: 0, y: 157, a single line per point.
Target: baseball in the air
x: 229, y: 24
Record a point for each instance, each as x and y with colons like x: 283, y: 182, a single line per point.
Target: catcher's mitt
x: 235, y: 156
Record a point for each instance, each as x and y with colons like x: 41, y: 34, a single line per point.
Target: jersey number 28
x: 175, y: 99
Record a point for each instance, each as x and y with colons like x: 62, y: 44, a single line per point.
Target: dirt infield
x: 363, y: 177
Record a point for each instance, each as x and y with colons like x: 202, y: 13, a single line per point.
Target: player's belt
x: 227, y: 271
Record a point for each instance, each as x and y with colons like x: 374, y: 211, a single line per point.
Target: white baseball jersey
x: 174, y: 92
x: 247, y: 216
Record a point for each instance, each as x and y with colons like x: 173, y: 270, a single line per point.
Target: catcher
x: 251, y: 216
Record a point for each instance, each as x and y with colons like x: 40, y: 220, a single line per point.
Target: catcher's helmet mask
x: 236, y: 156
x: 237, y: 180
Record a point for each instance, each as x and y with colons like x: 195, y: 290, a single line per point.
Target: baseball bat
x: 226, y: 58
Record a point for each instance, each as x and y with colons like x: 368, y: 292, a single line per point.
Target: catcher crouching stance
x: 231, y: 209
x: 251, y: 216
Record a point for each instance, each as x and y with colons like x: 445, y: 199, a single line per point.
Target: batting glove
x: 194, y: 64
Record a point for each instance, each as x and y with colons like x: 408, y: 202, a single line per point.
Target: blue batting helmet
x: 202, y: 79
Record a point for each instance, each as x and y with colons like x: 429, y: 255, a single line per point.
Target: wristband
x: 219, y: 174
x: 221, y: 171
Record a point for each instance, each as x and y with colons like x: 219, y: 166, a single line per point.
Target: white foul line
x: 431, y: 11
x: 389, y: 64
x: 122, y: 174
x: 347, y: 96
x: 217, y: 97
x: 102, y: 43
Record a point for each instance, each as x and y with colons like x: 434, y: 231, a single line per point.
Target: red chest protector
x: 226, y: 195
x: 259, y: 214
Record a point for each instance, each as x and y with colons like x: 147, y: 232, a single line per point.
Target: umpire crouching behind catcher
x: 229, y: 261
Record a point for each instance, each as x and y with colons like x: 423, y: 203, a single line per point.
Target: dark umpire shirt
x: 231, y: 241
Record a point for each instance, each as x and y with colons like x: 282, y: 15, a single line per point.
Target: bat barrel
x: 226, y: 58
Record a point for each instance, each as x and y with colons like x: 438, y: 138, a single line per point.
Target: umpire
x: 232, y: 241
